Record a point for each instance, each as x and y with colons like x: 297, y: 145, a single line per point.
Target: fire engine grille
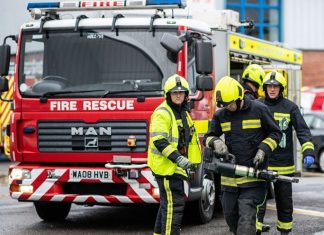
x: 105, y: 136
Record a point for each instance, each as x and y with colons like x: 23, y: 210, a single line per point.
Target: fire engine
x: 85, y: 88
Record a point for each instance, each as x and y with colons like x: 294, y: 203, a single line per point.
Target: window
x: 318, y: 123
x: 309, y: 119
x: 266, y: 15
x: 191, y: 68
x: 94, y: 61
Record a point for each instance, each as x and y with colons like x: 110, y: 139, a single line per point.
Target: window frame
x: 242, y: 6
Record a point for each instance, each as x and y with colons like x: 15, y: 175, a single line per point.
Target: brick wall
x: 313, y: 68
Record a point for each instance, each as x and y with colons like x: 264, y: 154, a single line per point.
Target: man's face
x: 232, y: 107
x: 177, y: 97
x: 273, y: 91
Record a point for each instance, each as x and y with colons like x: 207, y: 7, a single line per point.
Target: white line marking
x: 300, y: 211
x: 6, y: 207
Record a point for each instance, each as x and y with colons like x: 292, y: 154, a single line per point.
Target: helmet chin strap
x: 238, y: 104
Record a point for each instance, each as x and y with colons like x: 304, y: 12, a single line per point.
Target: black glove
x: 183, y: 162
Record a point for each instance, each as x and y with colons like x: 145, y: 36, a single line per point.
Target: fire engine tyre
x: 52, y: 211
x: 321, y: 161
x: 202, y: 210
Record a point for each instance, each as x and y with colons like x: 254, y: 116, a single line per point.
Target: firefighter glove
x: 259, y: 157
x: 220, y: 147
x: 309, y: 161
x: 183, y: 162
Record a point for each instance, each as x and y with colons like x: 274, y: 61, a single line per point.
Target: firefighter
x: 173, y: 149
x: 252, y: 78
x: 288, y: 116
x: 251, y: 134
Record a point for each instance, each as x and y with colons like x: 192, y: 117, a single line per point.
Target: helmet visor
x: 178, y: 88
x: 221, y: 104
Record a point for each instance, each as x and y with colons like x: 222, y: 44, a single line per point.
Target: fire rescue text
x: 95, y: 105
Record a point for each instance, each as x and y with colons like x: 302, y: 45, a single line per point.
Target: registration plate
x: 91, y: 174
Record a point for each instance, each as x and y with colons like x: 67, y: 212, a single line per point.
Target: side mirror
x: 204, y: 83
x: 204, y: 57
x: 3, y: 84
x: 4, y: 59
x: 171, y: 43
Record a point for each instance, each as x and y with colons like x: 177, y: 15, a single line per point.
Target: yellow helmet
x: 176, y: 83
x: 254, y: 73
x: 275, y: 78
x: 227, y: 91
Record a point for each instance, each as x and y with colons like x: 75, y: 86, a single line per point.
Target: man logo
x: 91, y: 142
x: 92, y: 136
x: 90, y: 131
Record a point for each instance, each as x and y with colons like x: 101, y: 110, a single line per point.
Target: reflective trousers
x: 240, y: 208
x: 172, y: 202
x: 284, y: 203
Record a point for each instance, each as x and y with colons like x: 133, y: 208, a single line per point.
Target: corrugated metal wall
x: 303, y: 24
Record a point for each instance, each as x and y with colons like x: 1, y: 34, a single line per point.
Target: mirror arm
x: 13, y: 37
x: 199, y: 98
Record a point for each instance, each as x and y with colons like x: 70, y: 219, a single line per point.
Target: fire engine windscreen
x: 98, y: 60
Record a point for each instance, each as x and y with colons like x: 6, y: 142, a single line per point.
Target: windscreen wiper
x: 107, y: 93
x: 46, y: 95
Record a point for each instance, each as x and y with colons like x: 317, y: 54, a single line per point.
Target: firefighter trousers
x: 284, y: 204
x: 240, y: 208
x: 172, y: 202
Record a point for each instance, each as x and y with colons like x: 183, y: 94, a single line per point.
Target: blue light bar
x: 34, y: 5
x: 180, y: 3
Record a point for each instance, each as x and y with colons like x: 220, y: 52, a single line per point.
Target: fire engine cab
x: 85, y: 88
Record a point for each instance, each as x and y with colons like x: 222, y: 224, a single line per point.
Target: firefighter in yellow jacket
x: 251, y: 134
x: 173, y: 149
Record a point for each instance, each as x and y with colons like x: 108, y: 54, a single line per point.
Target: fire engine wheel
x: 202, y: 211
x: 321, y: 161
x: 52, y: 211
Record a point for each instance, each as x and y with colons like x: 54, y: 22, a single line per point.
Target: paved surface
x: 308, y: 215
x: 4, y: 165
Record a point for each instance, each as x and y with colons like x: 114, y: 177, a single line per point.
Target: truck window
x: 191, y: 68
x: 92, y: 60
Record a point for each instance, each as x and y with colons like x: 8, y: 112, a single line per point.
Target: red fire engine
x: 84, y: 91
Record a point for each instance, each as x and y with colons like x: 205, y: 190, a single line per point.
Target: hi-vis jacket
x: 245, y: 131
x: 287, y: 114
x: 164, y: 126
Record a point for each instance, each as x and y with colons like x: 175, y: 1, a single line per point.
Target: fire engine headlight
x: 20, y: 174
x: 26, y: 188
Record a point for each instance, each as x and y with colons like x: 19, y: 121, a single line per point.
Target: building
x: 296, y: 23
